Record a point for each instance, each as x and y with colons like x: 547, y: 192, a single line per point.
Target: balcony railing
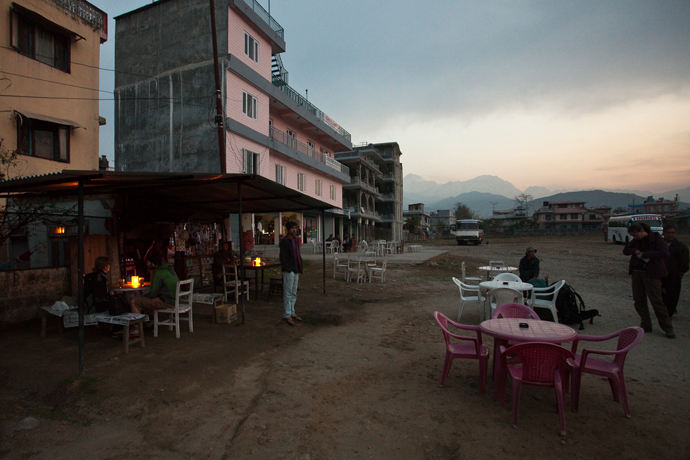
x: 89, y: 13
x: 263, y: 14
x: 311, y: 108
x: 358, y: 182
x: 301, y: 147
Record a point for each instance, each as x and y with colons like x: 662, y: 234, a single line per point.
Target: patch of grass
x: 87, y: 385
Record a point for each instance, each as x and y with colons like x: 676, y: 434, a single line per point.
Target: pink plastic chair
x: 474, y: 350
x: 541, y: 364
x: 514, y: 310
x: 613, y: 370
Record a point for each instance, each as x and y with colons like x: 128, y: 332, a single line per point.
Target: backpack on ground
x: 571, y: 308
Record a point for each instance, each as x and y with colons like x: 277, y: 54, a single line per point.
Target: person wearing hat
x: 529, y: 265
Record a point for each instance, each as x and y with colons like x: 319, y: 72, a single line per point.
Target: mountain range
x: 483, y: 194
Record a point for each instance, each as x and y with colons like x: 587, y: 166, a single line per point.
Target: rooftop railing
x: 311, y: 108
x: 263, y: 14
x: 89, y: 13
x: 301, y: 147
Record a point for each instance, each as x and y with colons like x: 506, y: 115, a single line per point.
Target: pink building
x: 571, y: 215
x: 165, y: 105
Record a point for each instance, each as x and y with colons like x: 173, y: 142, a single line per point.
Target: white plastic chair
x: 318, y: 247
x: 378, y: 272
x: 391, y: 247
x: 501, y: 296
x: 231, y: 283
x: 546, y: 298
x: 183, y: 304
x: 339, y: 267
x: 507, y: 277
x: 469, y: 295
x: 469, y: 279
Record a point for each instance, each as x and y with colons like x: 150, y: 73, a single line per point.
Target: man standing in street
x: 676, y: 265
x: 291, y: 266
x: 647, y: 251
x: 529, y: 265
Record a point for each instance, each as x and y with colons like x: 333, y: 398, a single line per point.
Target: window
x: 301, y: 182
x: 325, y: 152
x: 44, y: 42
x: 43, y: 139
x: 318, y: 186
x: 251, y: 162
x: 248, y: 105
x: 291, y: 139
x: 333, y: 192
x: 251, y: 47
x: 281, y: 172
x: 311, y: 148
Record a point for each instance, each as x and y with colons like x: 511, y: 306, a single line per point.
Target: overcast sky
x: 561, y: 94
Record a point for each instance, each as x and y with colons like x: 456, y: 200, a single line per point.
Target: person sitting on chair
x: 163, y: 287
x: 347, y: 243
x: 96, y: 294
x: 529, y: 265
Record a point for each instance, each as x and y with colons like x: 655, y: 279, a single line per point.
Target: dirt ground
x: 358, y: 379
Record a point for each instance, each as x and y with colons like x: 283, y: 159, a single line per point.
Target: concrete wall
x: 25, y: 291
x: 164, y: 87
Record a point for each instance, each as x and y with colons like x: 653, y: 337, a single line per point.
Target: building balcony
x: 89, y: 13
x: 311, y: 108
x: 388, y: 197
x: 354, y: 211
x: 353, y: 157
x: 356, y: 182
x: 301, y: 147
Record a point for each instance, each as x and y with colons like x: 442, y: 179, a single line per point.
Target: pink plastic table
x: 504, y: 330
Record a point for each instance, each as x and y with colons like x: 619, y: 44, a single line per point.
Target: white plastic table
x: 500, y: 269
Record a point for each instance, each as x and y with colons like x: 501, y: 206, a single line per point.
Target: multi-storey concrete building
x: 417, y: 209
x: 372, y: 201
x: 567, y: 215
x: 441, y: 220
x: 666, y: 208
x: 50, y: 52
x: 164, y: 91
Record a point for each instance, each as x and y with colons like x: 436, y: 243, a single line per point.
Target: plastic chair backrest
x: 514, y: 310
x: 502, y: 296
x: 496, y: 263
x: 627, y: 339
x: 507, y: 277
x: 466, y: 289
x: 539, y: 361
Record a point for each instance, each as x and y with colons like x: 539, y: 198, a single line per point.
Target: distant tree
x: 440, y: 228
x: 523, y: 200
x: 462, y: 211
x: 412, y: 224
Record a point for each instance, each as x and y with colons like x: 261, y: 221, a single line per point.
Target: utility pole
x: 219, y: 95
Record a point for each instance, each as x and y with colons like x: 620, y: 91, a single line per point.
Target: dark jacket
x: 96, y: 291
x: 677, y: 261
x: 654, y: 249
x: 529, y: 268
x: 289, y: 261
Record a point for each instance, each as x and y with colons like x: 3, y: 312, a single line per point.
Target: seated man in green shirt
x: 163, y: 287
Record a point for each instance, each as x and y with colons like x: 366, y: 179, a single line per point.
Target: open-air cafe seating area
x: 530, y: 348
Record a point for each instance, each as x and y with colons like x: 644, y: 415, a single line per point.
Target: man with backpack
x: 647, y: 251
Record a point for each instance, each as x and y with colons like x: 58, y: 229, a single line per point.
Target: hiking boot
x: 670, y: 334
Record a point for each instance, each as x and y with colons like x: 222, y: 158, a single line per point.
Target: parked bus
x: 468, y: 231
x: 618, y: 225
